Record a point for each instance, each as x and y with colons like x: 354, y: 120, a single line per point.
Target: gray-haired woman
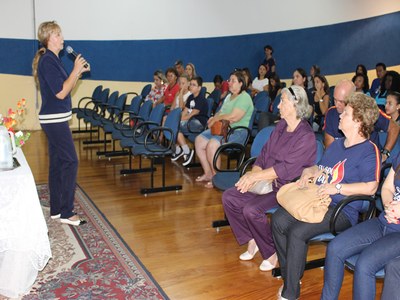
x: 290, y: 149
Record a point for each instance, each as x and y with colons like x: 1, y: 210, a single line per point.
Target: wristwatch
x: 385, y: 152
x: 338, y: 187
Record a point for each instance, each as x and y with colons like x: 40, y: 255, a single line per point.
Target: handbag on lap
x: 304, y: 204
x: 220, y: 128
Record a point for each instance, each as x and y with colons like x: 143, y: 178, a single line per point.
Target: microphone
x: 74, y: 54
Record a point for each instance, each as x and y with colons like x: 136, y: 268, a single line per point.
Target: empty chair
x: 153, y: 147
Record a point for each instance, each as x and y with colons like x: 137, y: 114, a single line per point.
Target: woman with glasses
x: 237, y: 109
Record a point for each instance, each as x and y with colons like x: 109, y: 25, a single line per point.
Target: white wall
x: 152, y: 19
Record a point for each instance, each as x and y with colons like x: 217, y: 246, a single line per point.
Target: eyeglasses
x: 339, y: 101
x: 194, y: 85
x: 292, y: 92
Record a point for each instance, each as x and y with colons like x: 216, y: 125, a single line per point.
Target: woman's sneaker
x: 187, y: 158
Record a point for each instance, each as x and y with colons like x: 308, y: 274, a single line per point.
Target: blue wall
x: 335, y: 48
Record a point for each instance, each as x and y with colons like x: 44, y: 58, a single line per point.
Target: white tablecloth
x: 24, y: 243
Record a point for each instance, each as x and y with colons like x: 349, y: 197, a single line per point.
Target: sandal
x: 202, y: 178
x: 209, y: 185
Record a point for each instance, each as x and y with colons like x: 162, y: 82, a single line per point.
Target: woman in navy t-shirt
x: 55, y: 88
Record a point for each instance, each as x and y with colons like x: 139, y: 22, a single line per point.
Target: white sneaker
x: 175, y: 156
x: 187, y: 158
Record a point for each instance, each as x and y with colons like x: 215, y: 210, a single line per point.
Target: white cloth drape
x: 24, y: 243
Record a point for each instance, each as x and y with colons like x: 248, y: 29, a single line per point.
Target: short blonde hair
x: 365, y: 111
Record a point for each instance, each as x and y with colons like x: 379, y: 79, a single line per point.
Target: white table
x: 24, y: 243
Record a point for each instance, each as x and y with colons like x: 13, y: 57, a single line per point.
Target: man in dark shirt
x: 342, y: 90
x: 196, y: 104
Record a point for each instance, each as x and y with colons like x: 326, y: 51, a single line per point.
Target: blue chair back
x: 103, y: 98
x: 112, y: 100
x: 259, y: 141
x: 97, y: 92
x: 156, y: 115
x: 320, y: 150
x: 216, y: 96
x: 173, y: 121
x: 146, y: 90
x: 277, y: 100
x: 134, y: 107
x: 119, y: 104
x: 210, y: 103
x: 145, y: 109
x: 203, y: 92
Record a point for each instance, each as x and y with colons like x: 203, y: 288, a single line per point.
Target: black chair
x: 94, y: 116
x: 79, y: 111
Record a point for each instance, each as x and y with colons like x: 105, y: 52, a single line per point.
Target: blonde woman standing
x: 55, y: 88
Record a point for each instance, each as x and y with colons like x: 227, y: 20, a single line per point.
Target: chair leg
x: 163, y: 188
x: 313, y: 264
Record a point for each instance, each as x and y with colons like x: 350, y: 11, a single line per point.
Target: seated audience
x: 260, y: 83
x: 237, y: 109
x: 183, y: 94
x: 392, y: 279
x: 352, y: 166
x: 222, y: 85
x: 331, y: 126
x: 314, y: 70
x: 247, y: 78
x: 195, y: 105
x: 390, y: 82
x: 179, y: 67
x: 361, y: 83
x: 321, y: 100
x: 376, y: 83
x: 300, y: 79
x: 269, y: 61
x: 274, y: 88
x: 171, y: 90
x: 190, y: 70
x: 361, y: 69
x: 157, y: 91
x: 377, y: 241
x: 290, y: 149
x: 392, y: 106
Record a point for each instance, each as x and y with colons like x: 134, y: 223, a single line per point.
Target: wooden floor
x: 171, y: 232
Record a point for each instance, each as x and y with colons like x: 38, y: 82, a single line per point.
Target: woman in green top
x: 237, y: 109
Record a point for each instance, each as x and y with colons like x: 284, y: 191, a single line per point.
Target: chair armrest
x: 246, y: 164
x: 233, y: 129
x: 230, y: 146
x: 149, y: 139
x: 347, y: 200
x: 90, y: 99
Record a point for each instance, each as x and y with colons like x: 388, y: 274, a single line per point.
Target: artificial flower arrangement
x: 12, y: 119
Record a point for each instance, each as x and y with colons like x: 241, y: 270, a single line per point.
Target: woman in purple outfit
x: 290, y: 149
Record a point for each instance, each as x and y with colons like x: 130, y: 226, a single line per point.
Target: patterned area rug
x: 90, y: 261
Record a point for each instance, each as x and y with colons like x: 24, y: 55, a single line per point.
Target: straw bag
x: 220, y: 128
x: 303, y: 204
